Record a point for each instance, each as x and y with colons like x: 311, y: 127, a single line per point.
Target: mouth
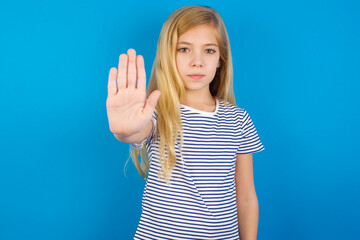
x: 196, y: 76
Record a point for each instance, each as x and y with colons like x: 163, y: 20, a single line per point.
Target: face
x: 197, y: 57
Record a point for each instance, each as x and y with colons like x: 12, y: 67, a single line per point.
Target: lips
x: 196, y: 76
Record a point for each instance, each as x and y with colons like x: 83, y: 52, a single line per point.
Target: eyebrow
x: 207, y: 44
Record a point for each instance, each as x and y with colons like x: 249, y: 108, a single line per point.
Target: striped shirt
x: 200, y: 202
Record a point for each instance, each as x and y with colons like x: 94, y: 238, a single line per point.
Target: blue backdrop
x: 296, y: 71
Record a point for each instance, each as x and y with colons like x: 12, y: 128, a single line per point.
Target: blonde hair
x: 165, y: 77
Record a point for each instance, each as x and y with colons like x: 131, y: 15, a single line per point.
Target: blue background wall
x: 296, y: 72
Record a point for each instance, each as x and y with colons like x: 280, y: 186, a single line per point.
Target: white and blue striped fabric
x: 200, y: 202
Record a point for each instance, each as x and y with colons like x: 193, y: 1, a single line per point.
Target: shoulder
x: 155, y: 114
x: 232, y: 110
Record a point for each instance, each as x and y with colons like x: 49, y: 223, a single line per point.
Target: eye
x: 211, y: 51
x: 183, y: 49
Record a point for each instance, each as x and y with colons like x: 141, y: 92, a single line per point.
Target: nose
x: 197, y: 60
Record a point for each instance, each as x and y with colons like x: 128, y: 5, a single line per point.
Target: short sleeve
x: 148, y: 138
x: 250, y: 141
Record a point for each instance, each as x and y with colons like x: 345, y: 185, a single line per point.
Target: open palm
x: 127, y: 108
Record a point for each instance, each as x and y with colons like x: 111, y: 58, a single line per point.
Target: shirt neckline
x: 204, y: 113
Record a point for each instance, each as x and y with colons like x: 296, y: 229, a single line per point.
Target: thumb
x: 151, y: 102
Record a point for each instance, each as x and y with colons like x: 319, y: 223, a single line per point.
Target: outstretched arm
x: 246, y: 199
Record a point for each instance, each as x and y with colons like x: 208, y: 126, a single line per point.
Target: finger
x: 112, y: 89
x: 131, y: 73
x: 151, y: 102
x: 122, y: 71
x: 141, y: 79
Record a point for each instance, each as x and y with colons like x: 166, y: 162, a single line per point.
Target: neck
x: 194, y: 98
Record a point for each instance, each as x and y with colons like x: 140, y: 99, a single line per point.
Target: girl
x: 195, y: 143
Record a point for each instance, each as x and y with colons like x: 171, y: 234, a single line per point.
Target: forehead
x: 202, y: 34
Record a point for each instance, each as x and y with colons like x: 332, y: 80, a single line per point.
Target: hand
x: 128, y: 110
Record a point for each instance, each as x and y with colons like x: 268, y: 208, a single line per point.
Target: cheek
x: 213, y: 65
x: 180, y: 64
x: 213, y: 61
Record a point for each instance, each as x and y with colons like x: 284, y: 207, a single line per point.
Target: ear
x: 218, y: 65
